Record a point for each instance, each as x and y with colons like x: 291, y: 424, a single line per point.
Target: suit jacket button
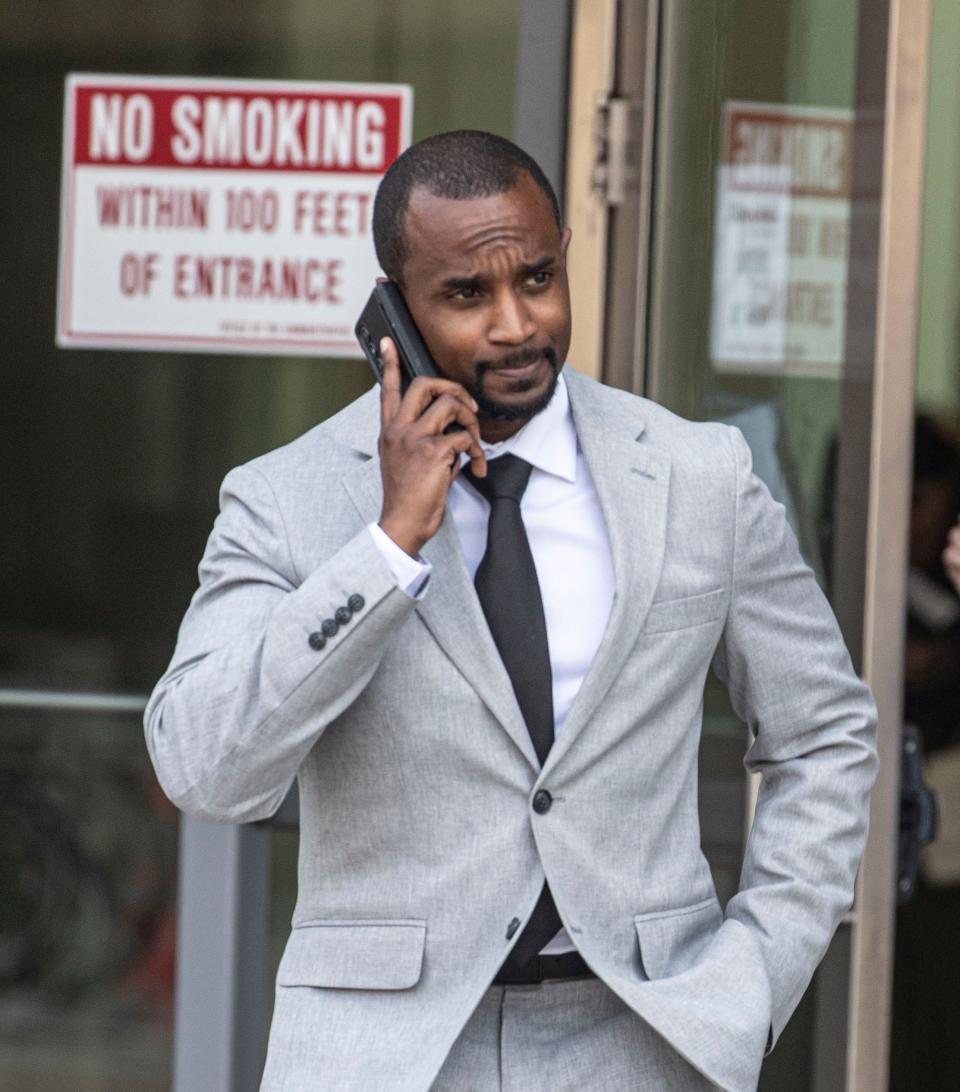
x: 512, y: 927
x: 329, y: 627
x: 542, y: 802
x: 356, y: 602
x: 343, y: 615
x: 317, y: 641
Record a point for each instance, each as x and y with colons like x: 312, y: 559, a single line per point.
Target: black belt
x: 543, y: 967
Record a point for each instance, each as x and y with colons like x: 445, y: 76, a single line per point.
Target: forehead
x: 442, y: 232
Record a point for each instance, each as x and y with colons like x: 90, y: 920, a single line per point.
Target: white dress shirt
x: 568, y: 540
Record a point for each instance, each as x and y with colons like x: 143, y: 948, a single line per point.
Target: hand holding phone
x: 386, y: 315
x: 426, y: 422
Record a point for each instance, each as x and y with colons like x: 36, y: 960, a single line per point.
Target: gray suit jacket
x: 418, y: 840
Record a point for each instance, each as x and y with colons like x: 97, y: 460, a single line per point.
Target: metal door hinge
x: 618, y: 140
x: 919, y: 814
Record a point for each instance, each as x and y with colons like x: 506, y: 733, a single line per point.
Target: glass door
x: 759, y: 261
x: 748, y: 325
x: 109, y: 468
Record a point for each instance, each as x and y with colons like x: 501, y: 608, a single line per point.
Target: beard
x: 492, y: 410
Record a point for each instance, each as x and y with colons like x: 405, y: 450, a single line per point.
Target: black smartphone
x: 386, y: 315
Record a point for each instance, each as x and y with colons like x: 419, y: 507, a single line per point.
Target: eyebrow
x: 540, y: 266
x: 452, y: 284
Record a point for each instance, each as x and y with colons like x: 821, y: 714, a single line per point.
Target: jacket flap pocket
x: 354, y: 955
x: 692, y: 610
x: 671, y: 940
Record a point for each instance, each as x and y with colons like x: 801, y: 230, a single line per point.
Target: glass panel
x: 110, y: 461
x: 109, y: 468
x: 749, y: 324
x: 88, y: 875
x: 760, y: 354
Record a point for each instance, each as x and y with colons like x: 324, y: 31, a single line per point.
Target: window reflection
x: 88, y: 871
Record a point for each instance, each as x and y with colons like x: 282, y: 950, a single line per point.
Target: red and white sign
x: 781, y: 240
x: 221, y: 215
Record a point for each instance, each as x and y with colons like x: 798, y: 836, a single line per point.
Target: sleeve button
x: 317, y: 641
x: 343, y: 615
x: 356, y: 602
x: 329, y: 627
x: 512, y: 927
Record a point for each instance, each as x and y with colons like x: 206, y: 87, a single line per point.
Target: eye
x: 540, y: 279
x: 466, y: 292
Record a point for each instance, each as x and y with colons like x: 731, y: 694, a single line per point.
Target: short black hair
x: 461, y: 164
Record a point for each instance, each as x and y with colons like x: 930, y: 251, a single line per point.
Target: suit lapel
x: 632, y: 479
x: 453, y: 615
x: 451, y: 611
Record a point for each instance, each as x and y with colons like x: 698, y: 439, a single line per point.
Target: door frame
x: 614, y: 334
x: 905, y: 94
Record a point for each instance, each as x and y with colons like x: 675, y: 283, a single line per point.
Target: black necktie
x: 509, y: 594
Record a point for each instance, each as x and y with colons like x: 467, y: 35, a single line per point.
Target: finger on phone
x: 471, y: 425
x: 390, y: 397
x: 424, y: 390
x: 458, y: 442
x: 446, y: 409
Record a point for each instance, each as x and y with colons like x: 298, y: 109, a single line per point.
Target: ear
x: 565, y: 240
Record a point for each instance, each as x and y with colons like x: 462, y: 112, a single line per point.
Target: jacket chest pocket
x: 691, y: 610
x: 671, y: 940
x: 354, y: 955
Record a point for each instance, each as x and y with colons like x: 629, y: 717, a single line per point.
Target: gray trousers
x: 566, y: 1035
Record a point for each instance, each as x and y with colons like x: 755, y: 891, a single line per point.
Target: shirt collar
x: 547, y: 441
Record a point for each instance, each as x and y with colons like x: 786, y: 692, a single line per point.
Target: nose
x: 512, y: 322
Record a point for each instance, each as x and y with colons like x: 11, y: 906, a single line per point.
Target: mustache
x: 517, y: 359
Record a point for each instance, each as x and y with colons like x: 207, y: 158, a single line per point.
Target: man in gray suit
x: 489, y: 683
